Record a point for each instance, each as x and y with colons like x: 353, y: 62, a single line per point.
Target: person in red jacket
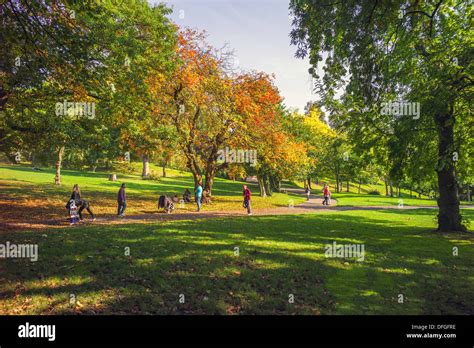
x: 327, y: 194
x: 247, y: 194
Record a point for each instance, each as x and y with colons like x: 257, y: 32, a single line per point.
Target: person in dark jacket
x: 166, y: 203
x: 122, y: 201
x: 187, y: 196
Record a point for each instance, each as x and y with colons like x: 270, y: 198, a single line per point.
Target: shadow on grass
x: 278, y: 256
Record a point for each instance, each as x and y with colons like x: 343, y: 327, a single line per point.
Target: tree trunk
x: 197, y: 178
x: 57, y: 178
x: 274, y: 183
x: 386, y: 187
x: 266, y: 183
x: 398, y: 191
x: 360, y: 182
x: 449, y: 216
x: 146, y: 165
x: 164, y: 170
x: 391, y: 188
x: 261, y: 186
x: 468, y: 193
x: 309, y: 183
x: 209, y: 182
x: 347, y: 186
x: 195, y: 170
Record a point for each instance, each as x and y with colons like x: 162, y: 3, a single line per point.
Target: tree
x: 74, y: 51
x: 312, y: 130
x: 415, y: 51
x: 211, y: 107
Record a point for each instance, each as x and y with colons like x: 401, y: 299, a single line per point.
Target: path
x: 313, y: 205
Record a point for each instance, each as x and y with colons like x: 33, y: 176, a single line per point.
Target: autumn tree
x: 211, y: 106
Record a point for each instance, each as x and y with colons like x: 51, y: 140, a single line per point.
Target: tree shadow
x: 278, y: 256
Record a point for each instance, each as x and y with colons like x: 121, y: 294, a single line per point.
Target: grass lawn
x: 359, y: 200
x: 22, y: 188
x: 278, y: 256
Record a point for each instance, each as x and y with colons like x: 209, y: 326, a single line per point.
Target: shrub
x: 152, y: 176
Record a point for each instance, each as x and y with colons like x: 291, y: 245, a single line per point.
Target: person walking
x: 198, y: 195
x: 308, y: 192
x: 122, y: 201
x: 327, y: 194
x: 247, y: 195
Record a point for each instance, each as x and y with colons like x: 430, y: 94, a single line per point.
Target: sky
x: 258, y: 32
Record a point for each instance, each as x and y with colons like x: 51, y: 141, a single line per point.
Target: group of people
x: 76, y: 204
x: 326, y: 194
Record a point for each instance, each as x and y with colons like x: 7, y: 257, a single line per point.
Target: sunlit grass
x: 277, y: 256
x: 25, y: 187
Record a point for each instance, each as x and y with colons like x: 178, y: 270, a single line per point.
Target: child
x: 73, y: 212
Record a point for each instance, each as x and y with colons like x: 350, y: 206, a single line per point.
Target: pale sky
x: 258, y: 31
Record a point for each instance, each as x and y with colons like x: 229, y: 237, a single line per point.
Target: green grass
x: 364, y: 188
x: 360, y: 200
x: 363, y: 199
x: 279, y: 256
x: 23, y: 184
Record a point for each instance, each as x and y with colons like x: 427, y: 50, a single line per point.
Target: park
x: 341, y: 207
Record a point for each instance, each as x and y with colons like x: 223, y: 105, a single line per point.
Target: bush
x: 125, y: 167
x: 374, y: 192
x: 152, y: 176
